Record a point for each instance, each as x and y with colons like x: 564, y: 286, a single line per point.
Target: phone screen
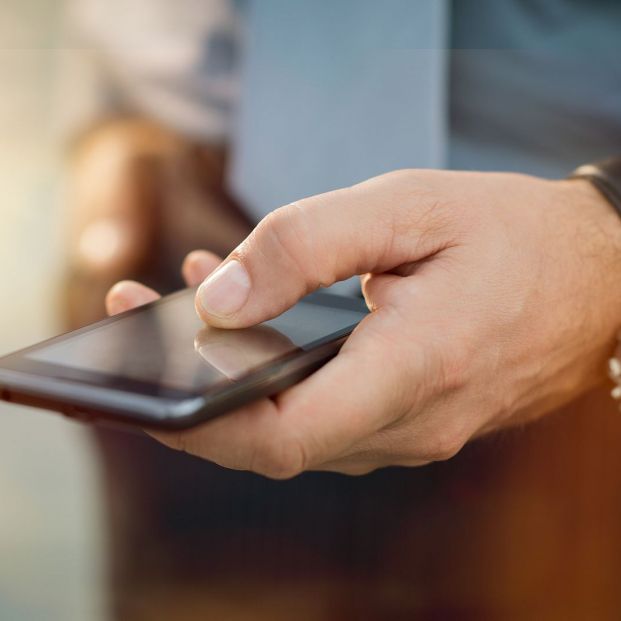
x: 167, y: 345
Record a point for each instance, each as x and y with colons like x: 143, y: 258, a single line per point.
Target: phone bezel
x: 91, y: 395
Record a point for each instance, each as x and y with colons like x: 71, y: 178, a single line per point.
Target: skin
x: 496, y: 298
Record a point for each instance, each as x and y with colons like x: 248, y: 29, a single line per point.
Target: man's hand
x: 495, y: 299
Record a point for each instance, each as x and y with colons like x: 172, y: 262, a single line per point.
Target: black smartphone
x: 159, y: 366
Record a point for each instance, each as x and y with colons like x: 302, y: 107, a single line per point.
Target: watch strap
x: 605, y: 176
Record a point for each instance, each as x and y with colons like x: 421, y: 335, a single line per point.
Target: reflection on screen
x: 168, y: 345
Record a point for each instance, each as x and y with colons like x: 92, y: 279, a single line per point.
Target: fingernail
x: 226, y: 290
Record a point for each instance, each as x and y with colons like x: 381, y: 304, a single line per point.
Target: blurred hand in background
x: 149, y: 131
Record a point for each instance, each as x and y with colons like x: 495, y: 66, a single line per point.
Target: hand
x: 495, y: 299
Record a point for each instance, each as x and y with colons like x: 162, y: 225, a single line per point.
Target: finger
x: 231, y: 440
x: 350, y: 414
x: 198, y: 265
x: 316, y: 421
x: 352, y: 397
x: 370, y: 227
x: 387, y: 369
x: 128, y: 294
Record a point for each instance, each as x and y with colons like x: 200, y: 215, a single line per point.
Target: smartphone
x: 159, y: 366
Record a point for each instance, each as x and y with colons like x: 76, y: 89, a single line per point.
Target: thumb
x: 370, y: 227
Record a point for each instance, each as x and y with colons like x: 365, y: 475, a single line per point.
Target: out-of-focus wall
x: 51, y: 561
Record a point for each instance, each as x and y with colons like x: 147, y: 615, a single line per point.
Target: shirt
x: 322, y: 94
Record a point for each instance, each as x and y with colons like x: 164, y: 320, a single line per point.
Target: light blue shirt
x: 335, y: 92
x: 318, y: 94
x: 535, y: 85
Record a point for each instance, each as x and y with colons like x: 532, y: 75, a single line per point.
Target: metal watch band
x: 606, y: 177
x: 614, y: 373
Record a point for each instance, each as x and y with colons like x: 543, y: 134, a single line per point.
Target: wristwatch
x: 606, y: 177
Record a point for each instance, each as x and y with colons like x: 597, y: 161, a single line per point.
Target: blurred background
x: 116, y: 120
x: 52, y: 555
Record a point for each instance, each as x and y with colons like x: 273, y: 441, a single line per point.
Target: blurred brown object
x: 520, y: 525
x: 524, y: 524
x: 141, y: 197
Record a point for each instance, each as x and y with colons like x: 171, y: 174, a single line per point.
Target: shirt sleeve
x: 176, y: 62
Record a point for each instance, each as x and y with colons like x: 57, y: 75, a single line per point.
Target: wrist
x: 598, y: 242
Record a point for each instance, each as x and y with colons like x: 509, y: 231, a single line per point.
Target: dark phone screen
x: 166, y: 344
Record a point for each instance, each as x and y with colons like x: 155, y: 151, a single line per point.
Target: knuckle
x: 280, y: 458
x: 436, y: 218
x: 445, y: 445
x: 405, y: 175
x: 287, y: 230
